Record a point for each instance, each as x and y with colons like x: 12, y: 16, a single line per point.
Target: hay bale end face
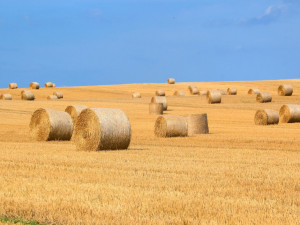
x: 160, y: 99
x: 102, y: 129
x: 171, y: 81
x: 253, y: 91
x: 266, y: 117
x: 264, y: 97
x: 290, y: 113
x: 27, y: 95
x: 160, y: 93
x: 197, y: 124
x: 48, y: 124
x: 136, y: 95
x: 179, y: 93
x: 52, y: 97
x: 13, y: 86
x: 74, y: 111
x: 193, y: 90
x: 214, y: 97
x: 156, y: 108
x: 49, y: 85
x: 34, y: 85
x: 58, y: 94
x: 231, y: 91
x: 5, y: 97
x: 171, y: 126
x: 285, y: 90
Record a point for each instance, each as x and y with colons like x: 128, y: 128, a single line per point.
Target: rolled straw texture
x: 48, y: 124
x: 266, y: 117
x: 5, y: 97
x: 197, y: 124
x: 13, y: 86
x: 160, y: 99
x: 231, y: 91
x: 156, y: 108
x: 179, y: 93
x: 58, y: 94
x: 289, y: 113
x: 171, y: 126
x: 49, y: 85
x: 203, y: 93
x: 102, y: 129
x: 74, y: 111
x: 52, y: 97
x: 253, y: 91
x: 27, y: 95
x: 160, y: 93
x: 171, y: 81
x: 264, y: 97
x: 136, y: 95
x: 34, y: 85
x: 193, y: 90
x: 285, y: 90
x: 222, y: 92
x: 214, y: 97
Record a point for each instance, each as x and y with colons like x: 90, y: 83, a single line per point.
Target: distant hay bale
x: 160, y: 93
x: 179, y: 93
x: 136, y: 95
x: 34, y: 85
x: 222, y: 91
x: 48, y: 124
x: 156, y: 108
x: 193, y: 90
x: 102, y: 129
x: 197, y: 124
x: 74, y: 111
x: 289, y: 113
x: 160, y: 99
x: 5, y: 97
x: 52, y: 97
x: 231, y: 91
x: 253, y: 91
x: 27, y: 95
x: 266, y: 117
x: 285, y: 90
x: 58, y: 94
x: 202, y: 92
x: 13, y: 86
x: 171, y: 126
x: 49, y: 85
x: 54, y: 85
x: 263, y: 97
x: 214, y: 97
x: 171, y: 81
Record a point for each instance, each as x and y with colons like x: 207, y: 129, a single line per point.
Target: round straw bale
x: 222, y: 92
x: 27, y: 95
x: 213, y: 97
x: 179, y: 93
x: 52, y: 97
x: 289, y: 113
x: 48, y: 124
x: 171, y: 126
x: 34, y: 85
x: 160, y: 99
x: 160, y: 93
x: 5, y: 97
x: 156, y: 108
x: 266, y: 117
x: 58, y: 94
x: 49, y: 85
x: 193, y: 90
x: 13, y: 86
x: 263, y: 97
x: 285, y: 90
x: 197, y: 124
x: 136, y: 95
x: 54, y: 85
x: 253, y: 91
x: 203, y: 93
x: 102, y: 129
x: 74, y: 111
x: 171, y: 81
x: 231, y: 91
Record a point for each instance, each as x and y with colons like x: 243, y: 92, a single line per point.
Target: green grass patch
x: 18, y: 220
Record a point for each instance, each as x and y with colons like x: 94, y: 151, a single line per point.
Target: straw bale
x: 136, y: 95
x: 214, y: 97
x: 156, y: 108
x: 289, y: 113
x: 266, y: 117
x: 48, y: 124
x: 13, y: 86
x: 5, y: 97
x: 263, y: 97
x: 253, y: 91
x: 179, y: 93
x: 197, y: 124
x: 52, y: 97
x: 34, y: 85
x: 193, y: 90
x: 285, y: 90
x: 58, y: 94
x: 202, y: 92
x: 74, y: 111
x: 222, y: 91
x: 231, y: 91
x: 160, y: 93
x: 171, y: 81
x: 160, y: 99
x: 102, y: 129
x: 171, y: 126
x: 49, y: 85
x: 27, y: 95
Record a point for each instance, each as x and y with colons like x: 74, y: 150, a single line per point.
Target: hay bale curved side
x: 58, y: 94
x: 285, y: 90
x: 253, y: 91
x: 52, y: 97
x: 49, y: 85
x: 5, y: 97
x: 102, y: 129
x: 214, y: 97
x: 171, y: 81
x: 156, y: 108
x: 48, y: 124
x: 179, y: 93
x: 160, y: 99
x: 264, y: 97
x: 74, y: 111
x: 34, y: 85
x: 231, y: 91
x: 160, y: 93
x: 27, y: 95
x: 266, y: 117
x: 289, y: 113
x: 197, y: 124
x: 13, y: 86
x: 193, y: 90
x: 171, y: 126
x: 136, y: 95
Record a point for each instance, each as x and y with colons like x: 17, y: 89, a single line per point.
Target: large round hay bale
x: 266, y: 117
x: 193, y: 90
x: 27, y: 95
x: 13, y: 86
x: 49, y: 85
x: 214, y: 97
x: 156, y: 108
x: 48, y: 124
x: 171, y: 126
x: 34, y: 85
x: 52, y: 97
x: 102, y: 129
x: 58, y: 94
x: 160, y: 99
x: 285, y: 90
x: 264, y: 97
x: 179, y: 93
x: 5, y: 97
x: 289, y: 113
x: 202, y: 92
x: 136, y: 95
x: 253, y: 91
x: 231, y: 91
x: 222, y: 91
x: 171, y: 81
x: 74, y: 111
x: 160, y: 93
x: 197, y: 124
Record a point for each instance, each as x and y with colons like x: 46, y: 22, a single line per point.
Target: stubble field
x: 240, y: 173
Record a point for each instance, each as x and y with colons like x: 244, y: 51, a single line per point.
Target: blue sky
x: 89, y: 42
